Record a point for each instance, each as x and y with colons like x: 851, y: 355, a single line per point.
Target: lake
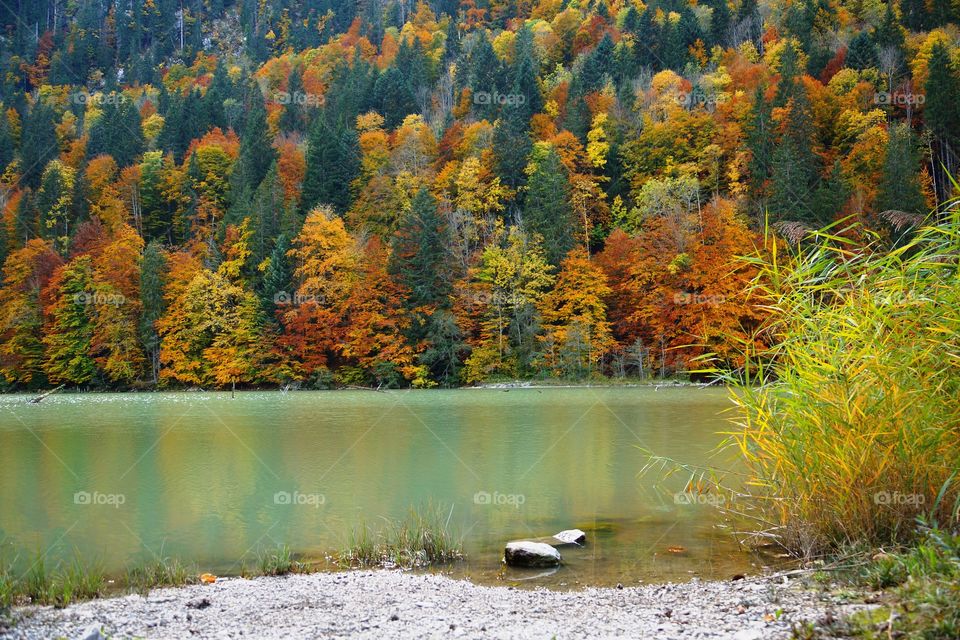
x: 214, y: 480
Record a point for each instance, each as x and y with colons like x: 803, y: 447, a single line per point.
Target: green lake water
x: 214, y: 480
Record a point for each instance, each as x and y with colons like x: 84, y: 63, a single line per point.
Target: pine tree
x: 333, y: 162
x: 419, y: 260
x: 117, y: 132
x: 6, y: 141
x: 256, y: 147
x: 152, y: 282
x: 511, y: 146
x: 760, y: 142
x: 276, y: 283
x: 862, y: 53
x: 720, y: 23
x: 900, y: 185
x: 220, y: 90
x: 38, y: 143
x: 396, y: 98
x: 294, y: 117
x: 547, y: 210
x: 941, y: 109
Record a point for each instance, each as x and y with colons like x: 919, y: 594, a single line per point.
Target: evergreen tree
x: 38, y: 143
x: 333, y: 162
x: 523, y: 74
x: 278, y: 275
x: 941, y: 109
x: 862, y: 53
x: 511, y: 147
x: 7, y: 150
x: 760, y: 142
x: 547, y: 210
x: 396, y: 99
x: 794, y: 165
x: 720, y: 23
x: 294, y: 117
x: 484, y: 76
x: 219, y: 91
x: 419, y: 260
x: 889, y: 33
x: 117, y: 132
x: 256, y: 147
x: 900, y: 185
x: 152, y: 281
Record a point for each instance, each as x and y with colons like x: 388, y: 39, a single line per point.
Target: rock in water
x: 571, y: 536
x: 523, y: 553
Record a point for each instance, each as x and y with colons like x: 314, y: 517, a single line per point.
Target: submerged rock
x: 524, y: 553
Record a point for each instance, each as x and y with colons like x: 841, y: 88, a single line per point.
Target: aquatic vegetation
x: 423, y: 538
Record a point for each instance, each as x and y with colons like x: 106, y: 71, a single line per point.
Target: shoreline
x: 668, y: 383
x: 399, y: 604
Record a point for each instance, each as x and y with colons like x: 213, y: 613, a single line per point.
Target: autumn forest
x: 208, y: 193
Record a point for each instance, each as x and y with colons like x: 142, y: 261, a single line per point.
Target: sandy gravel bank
x: 392, y: 604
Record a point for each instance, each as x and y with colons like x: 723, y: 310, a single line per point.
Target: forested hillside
x: 208, y: 192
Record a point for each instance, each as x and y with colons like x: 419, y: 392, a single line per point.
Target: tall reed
x: 850, y: 423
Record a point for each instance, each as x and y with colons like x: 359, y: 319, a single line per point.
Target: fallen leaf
x: 208, y: 578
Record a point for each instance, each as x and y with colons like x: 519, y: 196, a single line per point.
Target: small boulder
x: 92, y: 632
x: 524, y: 553
x: 571, y: 536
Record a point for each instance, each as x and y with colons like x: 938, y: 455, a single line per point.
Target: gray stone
x: 524, y: 553
x: 92, y: 632
x: 571, y: 536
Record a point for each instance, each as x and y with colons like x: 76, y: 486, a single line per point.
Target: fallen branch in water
x: 40, y: 397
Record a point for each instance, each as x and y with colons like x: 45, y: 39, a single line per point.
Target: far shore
x: 612, y: 383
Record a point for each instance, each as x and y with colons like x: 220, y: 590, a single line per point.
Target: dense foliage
x: 857, y: 437
x: 217, y: 192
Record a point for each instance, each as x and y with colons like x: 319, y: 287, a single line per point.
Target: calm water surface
x: 214, y: 480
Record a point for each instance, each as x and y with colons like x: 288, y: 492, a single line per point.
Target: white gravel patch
x: 394, y: 604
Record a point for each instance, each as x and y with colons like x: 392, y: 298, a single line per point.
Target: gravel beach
x: 394, y: 604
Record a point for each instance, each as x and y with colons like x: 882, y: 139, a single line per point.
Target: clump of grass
x: 278, y: 563
x: 39, y: 585
x: 922, y: 590
x: 423, y: 538
x: 849, y: 421
x: 77, y: 582
x: 163, y: 572
x: 7, y: 585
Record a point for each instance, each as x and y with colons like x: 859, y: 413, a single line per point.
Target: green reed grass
x: 850, y: 422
